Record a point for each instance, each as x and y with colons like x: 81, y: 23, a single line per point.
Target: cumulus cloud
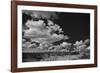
x: 55, y: 28
x: 65, y: 44
x: 55, y: 38
x: 82, y: 45
x: 36, y: 29
x: 42, y: 29
x: 39, y: 32
x: 81, y: 42
x: 49, y: 39
x: 35, y: 24
x: 78, y: 43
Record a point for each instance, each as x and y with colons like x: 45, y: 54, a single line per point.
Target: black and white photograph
x: 52, y: 36
x: 55, y: 36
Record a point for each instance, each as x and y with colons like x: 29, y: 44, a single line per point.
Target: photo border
x: 14, y: 35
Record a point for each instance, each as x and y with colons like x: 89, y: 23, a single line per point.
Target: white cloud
x: 35, y: 24
x: 50, y: 22
x: 78, y: 43
x: 39, y: 32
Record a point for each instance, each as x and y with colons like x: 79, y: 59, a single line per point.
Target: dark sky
x: 75, y: 25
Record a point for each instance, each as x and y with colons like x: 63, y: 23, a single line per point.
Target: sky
x: 75, y: 25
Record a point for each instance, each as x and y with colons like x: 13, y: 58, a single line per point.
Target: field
x: 55, y: 56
